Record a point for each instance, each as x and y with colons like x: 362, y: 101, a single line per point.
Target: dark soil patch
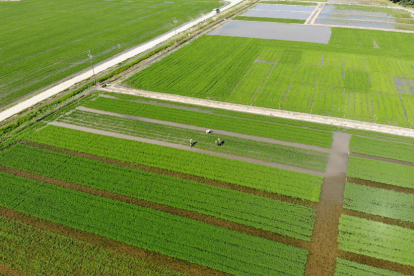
x: 7, y: 270
x: 136, y: 252
x: 382, y: 159
x: 379, y: 219
x: 404, y: 269
x: 380, y: 185
x: 176, y: 174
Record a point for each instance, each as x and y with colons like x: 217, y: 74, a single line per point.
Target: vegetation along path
x: 340, y: 122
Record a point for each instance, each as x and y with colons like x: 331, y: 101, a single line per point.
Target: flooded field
x: 280, y: 31
x: 357, y: 17
x: 355, y: 23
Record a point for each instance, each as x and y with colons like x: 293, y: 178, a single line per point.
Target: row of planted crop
x: 263, y: 213
x: 214, y: 121
x: 241, y: 173
x: 168, y: 234
x: 309, y: 159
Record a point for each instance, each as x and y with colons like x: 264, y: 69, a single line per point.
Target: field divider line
x: 175, y: 174
x: 379, y: 185
x: 364, y: 28
x: 110, y: 244
x: 386, y: 220
x: 214, y: 131
x: 241, y: 228
x: 374, y: 262
x: 319, y: 10
x: 319, y: 119
x: 383, y: 159
x: 312, y: 14
x: 188, y: 148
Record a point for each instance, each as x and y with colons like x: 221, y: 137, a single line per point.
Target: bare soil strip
x: 404, y: 269
x: 175, y: 211
x: 182, y: 147
x: 7, y: 270
x: 324, y: 245
x: 228, y: 133
x: 382, y: 159
x: 380, y: 185
x: 136, y: 252
x: 379, y: 219
x: 176, y: 174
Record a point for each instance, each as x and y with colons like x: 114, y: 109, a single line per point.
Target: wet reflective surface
x: 366, y: 24
x: 357, y: 17
x: 280, y: 31
x: 277, y: 14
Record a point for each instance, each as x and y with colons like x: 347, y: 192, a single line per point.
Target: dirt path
x: 7, y: 270
x: 346, y: 123
x: 382, y: 159
x: 177, y: 174
x: 228, y: 133
x: 324, y: 245
x: 163, y: 208
x: 193, y: 149
x: 136, y: 252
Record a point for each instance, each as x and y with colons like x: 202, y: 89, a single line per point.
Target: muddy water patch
x: 279, y: 31
x: 404, y: 86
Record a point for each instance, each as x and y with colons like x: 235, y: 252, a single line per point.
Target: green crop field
x: 34, y: 55
x: 309, y: 159
x: 348, y: 78
x: 168, y: 234
x: 380, y: 202
x: 255, y: 176
x: 376, y: 239
x: 347, y: 268
x: 38, y: 252
x: 386, y: 149
x: 268, y: 19
x: 275, y: 216
x: 379, y: 171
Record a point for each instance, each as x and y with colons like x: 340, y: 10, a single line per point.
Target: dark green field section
x: 380, y: 202
x: 383, y: 172
x: 172, y: 235
x: 44, y: 41
x: 39, y: 252
x: 376, y: 239
x: 308, y: 159
x: 213, y: 121
x: 385, y: 149
x: 267, y: 19
x: 346, y: 268
x: 348, y: 78
x: 264, y: 213
x: 241, y: 173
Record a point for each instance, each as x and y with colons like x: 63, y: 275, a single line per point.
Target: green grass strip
x: 376, y: 239
x: 379, y: 202
x: 309, y: 159
x: 346, y: 268
x: 168, y: 234
x: 290, y: 3
x: 385, y: 149
x: 275, y: 216
x: 39, y: 252
x: 269, y: 19
x: 213, y: 121
x: 381, y: 136
x: 379, y: 171
x: 241, y: 173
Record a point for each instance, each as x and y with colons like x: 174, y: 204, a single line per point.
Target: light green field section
x: 349, y: 78
x: 39, y: 252
x: 44, y: 41
x: 347, y: 268
x: 376, y: 239
x: 379, y: 202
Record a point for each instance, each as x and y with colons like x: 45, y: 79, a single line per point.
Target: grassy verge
x: 268, y: 19
x: 291, y: 3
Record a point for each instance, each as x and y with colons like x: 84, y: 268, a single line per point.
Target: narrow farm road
x: 340, y: 122
x: 324, y: 246
x: 194, y: 149
x: 107, y: 64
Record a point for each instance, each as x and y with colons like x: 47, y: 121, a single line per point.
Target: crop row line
x: 175, y: 174
x: 381, y: 159
x: 380, y: 185
x: 175, y: 211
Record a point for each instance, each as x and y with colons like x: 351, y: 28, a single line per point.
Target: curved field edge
x: 260, y: 177
x: 168, y: 234
x: 279, y: 217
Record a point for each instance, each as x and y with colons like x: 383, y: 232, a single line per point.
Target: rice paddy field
x: 44, y: 41
x: 118, y: 184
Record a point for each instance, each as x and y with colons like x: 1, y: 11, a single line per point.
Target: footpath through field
x: 108, y: 64
x: 340, y: 122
